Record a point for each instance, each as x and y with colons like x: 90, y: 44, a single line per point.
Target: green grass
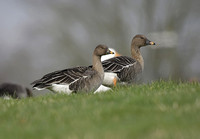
x: 157, y: 111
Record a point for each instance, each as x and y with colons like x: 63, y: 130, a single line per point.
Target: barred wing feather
x: 117, y: 64
x: 66, y: 76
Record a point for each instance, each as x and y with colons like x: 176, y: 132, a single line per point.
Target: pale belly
x: 109, y: 77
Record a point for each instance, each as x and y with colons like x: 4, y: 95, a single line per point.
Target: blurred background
x: 38, y: 37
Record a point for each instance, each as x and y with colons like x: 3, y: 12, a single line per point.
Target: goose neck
x: 136, y: 54
x: 97, y: 65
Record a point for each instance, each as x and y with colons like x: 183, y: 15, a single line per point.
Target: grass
x: 155, y: 111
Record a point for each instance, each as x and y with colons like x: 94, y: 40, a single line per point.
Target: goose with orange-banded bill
x: 103, y: 88
x: 126, y: 69
x: 77, y: 79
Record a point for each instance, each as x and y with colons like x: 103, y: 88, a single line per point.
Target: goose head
x: 101, y: 50
x: 140, y: 41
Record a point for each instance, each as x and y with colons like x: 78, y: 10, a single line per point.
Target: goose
x: 103, y: 88
x: 14, y: 90
x: 126, y: 69
x: 77, y: 79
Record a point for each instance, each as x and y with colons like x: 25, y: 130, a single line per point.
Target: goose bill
x: 148, y: 42
x: 110, y: 52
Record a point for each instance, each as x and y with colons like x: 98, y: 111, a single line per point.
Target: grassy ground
x: 158, y: 110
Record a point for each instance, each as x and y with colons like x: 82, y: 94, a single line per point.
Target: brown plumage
x: 126, y: 69
x: 77, y: 79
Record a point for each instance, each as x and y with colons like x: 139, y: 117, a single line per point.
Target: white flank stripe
x: 128, y: 65
x: 60, y: 88
x: 39, y: 88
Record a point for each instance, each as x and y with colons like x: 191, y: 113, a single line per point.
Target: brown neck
x: 136, y: 54
x: 97, y: 65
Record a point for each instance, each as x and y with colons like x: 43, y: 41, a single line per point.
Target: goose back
x: 126, y: 68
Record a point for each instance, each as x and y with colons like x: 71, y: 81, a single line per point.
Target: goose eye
x: 141, y: 38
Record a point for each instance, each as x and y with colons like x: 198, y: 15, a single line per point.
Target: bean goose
x: 103, y: 88
x: 77, y: 79
x: 14, y: 91
x: 126, y: 69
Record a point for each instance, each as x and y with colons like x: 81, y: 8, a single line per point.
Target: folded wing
x: 66, y: 76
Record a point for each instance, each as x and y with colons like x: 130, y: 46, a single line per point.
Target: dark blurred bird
x: 14, y: 91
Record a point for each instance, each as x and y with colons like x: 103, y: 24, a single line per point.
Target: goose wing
x: 66, y: 76
x: 82, y: 83
x: 117, y: 64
